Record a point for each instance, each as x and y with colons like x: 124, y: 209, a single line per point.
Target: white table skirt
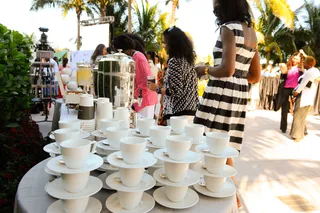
x: 31, y: 196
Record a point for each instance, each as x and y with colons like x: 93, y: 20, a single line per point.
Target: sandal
x: 238, y: 201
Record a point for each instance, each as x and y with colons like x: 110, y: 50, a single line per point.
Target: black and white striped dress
x: 224, y: 101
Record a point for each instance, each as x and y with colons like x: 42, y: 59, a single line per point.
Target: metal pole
x: 129, y: 17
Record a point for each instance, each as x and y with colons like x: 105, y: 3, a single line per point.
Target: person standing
x: 290, y: 73
x: 180, y: 88
x: 236, y: 63
x: 149, y: 98
x: 305, y: 93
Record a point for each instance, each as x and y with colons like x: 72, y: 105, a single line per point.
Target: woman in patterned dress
x: 180, y: 81
x: 236, y: 63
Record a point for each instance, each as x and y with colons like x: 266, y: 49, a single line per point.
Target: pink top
x: 142, y: 71
x: 292, y: 78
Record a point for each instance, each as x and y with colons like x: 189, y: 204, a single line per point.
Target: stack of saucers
x: 75, y: 186
x: 157, y: 140
x: 131, y: 181
x: 214, y: 170
x: 176, y: 175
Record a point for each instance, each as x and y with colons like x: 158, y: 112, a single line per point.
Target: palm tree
x: 79, y: 6
x: 174, y: 7
x: 118, y: 9
x: 274, y: 29
x: 150, y: 26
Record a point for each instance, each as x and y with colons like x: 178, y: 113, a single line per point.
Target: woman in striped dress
x: 236, y: 63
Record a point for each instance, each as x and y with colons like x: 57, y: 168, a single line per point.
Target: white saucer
x: 150, y: 144
x: 105, y: 167
x: 191, y: 178
x: 98, y: 133
x: 146, y: 183
x: 84, y: 134
x: 56, y: 189
x: 190, y: 200
x: 52, y: 148
x: 50, y: 172
x: 103, y: 144
x: 191, y: 157
x: 228, y: 190
x: 94, y: 206
x: 103, y: 178
x: 147, y: 203
x: 147, y: 160
x: 227, y: 171
x: 93, y: 162
x: 229, y: 152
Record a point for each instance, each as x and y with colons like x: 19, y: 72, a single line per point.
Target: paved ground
x: 275, y: 174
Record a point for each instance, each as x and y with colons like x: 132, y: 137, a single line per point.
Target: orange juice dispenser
x: 84, y: 75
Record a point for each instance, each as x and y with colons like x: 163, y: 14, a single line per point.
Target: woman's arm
x: 254, y: 73
x: 227, y: 66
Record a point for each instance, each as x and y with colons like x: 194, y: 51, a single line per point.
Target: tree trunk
x: 78, y: 33
x: 173, y: 12
x: 129, y: 17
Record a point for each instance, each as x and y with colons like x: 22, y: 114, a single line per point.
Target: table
x: 31, y: 196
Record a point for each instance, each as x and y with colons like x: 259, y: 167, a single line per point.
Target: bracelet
x: 206, y: 70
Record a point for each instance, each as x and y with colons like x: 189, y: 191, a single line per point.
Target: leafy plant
x: 15, y: 53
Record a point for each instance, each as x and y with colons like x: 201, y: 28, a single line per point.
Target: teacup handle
x: 93, y: 146
x: 202, y: 182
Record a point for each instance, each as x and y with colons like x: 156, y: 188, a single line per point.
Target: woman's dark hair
x: 109, y: 50
x: 178, y: 44
x: 138, y: 42
x: 123, y: 42
x: 232, y: 10
x: 152, y: 55
x: 64, y: 62
x: 98, y: 51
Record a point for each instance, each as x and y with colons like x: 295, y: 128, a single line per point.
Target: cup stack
x: 122, y: 113
x: 214, y: 170
x: 104, y: 111
x: 87, y: 113
x: 131, y: 181
x: 156, y: 141
x: 176, y: 175
x: 75, y: 186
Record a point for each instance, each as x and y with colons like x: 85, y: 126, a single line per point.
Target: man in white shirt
x: 305, y: 93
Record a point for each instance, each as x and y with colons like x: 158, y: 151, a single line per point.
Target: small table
x: 31, y: 196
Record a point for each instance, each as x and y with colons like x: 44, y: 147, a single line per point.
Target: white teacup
x: 106, y: 123
x: 190, y: 118
x: 178, y: 147
x: 176, y: 194
x: 122, y: 113
x: 76, y: 152
x: 70, y: 124
x: 214, y: 184
x: 75, y: 182
x: 217, y: 142
x: 158, y: 135
x: 75, y: 205
x: 129, y: 200
x: 195, y: 132
x: 114, y: 134
x: 131, y: 177
x: 66, y: 134
x: 214, y: 165
x: 132, y: 149
x: 178, y: 123
x: 144, y: 125
x: 176, y: 172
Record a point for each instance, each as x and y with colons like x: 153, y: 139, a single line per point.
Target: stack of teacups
x: 178, y: 124
x: 215, y: 171
x: 157, y: 140
x: 103, y: 111
x: 131, y: 181
x: 176, y: 175
x: 86, y: 113
x: 122, y: 113
x: 75, y: 186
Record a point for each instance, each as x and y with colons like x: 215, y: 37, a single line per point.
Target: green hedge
x: 15, y: 55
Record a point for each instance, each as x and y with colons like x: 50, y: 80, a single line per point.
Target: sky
x: 195, y: 17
